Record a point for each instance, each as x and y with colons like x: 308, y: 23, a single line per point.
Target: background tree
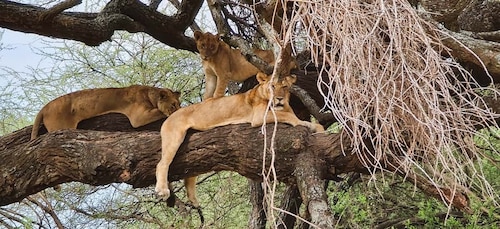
x: 408, y: 60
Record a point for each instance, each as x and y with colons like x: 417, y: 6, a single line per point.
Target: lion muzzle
x: 279, y: 103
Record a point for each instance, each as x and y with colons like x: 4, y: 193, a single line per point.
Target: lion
x: 141, y: 104
x: 249, y: 107
x: 222, y: 64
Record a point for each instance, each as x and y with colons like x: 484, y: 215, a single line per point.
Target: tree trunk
x: 291, y: 203
x: 258, y: 216
x: 311, y: 187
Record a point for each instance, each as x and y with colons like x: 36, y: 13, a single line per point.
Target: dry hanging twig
x: 394, y: 92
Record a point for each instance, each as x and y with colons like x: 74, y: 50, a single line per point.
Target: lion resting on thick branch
x: 141, y: 104
x: 249, y: 107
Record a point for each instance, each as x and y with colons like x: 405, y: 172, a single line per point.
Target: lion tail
x: 36, y: 125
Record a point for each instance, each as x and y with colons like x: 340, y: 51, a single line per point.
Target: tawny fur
x: 222, y: 63
x: 249, y: 107
x: 141, y: 104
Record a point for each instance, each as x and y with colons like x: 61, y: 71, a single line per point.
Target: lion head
x: 166, y: 100
x: 207, y: 44
x: 280, y: 90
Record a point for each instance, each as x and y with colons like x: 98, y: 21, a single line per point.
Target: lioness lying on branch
x: 249, y: 107
x: 141, y: 104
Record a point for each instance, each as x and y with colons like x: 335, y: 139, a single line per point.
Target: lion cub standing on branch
x: 222, y: 63
x: 141, y: 104
x: 249, y: 107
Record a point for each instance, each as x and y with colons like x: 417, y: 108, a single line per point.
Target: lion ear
x: 262, y: 77
x: 154, y: 96
x: 177, y: 94
x: 291, y: 79
x: 197, y: 34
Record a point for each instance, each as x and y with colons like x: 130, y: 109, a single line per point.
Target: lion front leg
x: 162, y: 178
x: 220, y: 89
x: 312, y: 126
x: 210, y: 84
x: 143, y: 116
x: 171, y: 139
x: 289, y: 118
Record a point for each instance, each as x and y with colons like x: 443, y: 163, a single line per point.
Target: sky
x: 18, y: 53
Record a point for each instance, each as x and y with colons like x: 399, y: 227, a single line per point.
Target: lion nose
x: 279, y: 99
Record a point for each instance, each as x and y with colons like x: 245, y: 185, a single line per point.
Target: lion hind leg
x: 53, y: 124
x: 190, y: 184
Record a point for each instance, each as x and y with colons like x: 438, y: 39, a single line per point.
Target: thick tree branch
x: 131, y: 157
x: 194, y: 26
x: 488, y: 52
x: 96, y: 28
x: 326, y: 119
x: 258, y: 215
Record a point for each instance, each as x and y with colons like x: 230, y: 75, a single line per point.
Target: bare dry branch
x: 393, y: 86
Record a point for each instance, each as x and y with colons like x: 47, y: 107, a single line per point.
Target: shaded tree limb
x: 194, y: 26
x: 471, y: 53
x: 326, y: 119
x: 488, y: 52
x: 452, y: 196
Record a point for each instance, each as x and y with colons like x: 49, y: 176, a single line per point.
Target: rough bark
x: 102, y: 157
x: 258, y: 216
x: 312, y: 191
x: 95, y: 28
x: 480, y: 16
x: 291, y: 204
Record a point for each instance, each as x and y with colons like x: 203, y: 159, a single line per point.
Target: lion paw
x: 162, y: 190
x: 318, y: 127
